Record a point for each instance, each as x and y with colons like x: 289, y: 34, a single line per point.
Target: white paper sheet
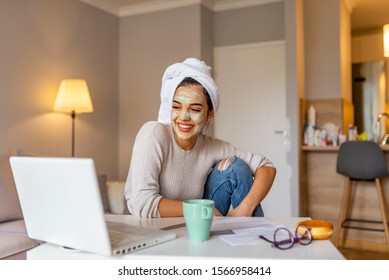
x: 245, y: 230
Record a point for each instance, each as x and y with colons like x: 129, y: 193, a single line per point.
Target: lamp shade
x: 386, y: 40
x: 73, y: 97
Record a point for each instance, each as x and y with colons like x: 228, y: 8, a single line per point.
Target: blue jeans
x: 230, y: 186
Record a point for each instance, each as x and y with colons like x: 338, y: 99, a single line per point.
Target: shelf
x: 384, y: 148
x: 321, y: 148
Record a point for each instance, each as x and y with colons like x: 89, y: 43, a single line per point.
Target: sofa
x: 14, y: 241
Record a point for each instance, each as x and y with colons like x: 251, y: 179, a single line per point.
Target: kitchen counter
x: 320, y: 149
x: 385, y: 148
x: 321, y: 190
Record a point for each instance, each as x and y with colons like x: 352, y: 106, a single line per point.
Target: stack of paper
x: 243, y: 230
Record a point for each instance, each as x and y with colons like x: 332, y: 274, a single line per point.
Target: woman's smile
x: 185, y: 127
x: 189, y: 115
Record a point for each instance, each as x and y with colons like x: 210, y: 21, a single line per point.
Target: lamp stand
x: 73, y: 114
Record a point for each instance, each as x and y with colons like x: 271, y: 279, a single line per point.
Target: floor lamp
x: 73, y: 98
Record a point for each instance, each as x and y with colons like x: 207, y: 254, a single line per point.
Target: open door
x: 252, y: 114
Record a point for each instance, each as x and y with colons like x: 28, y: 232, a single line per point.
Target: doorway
x: 252, y: 114
x: 368, y: 91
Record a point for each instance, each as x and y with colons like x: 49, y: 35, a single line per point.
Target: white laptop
x: 61, y: 204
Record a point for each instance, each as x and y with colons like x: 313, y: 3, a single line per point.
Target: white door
x: 252, y: 112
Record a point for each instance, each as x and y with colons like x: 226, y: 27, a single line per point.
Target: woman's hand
x: 241, y: 211
x: 216, y: 212
x: 263, y: 181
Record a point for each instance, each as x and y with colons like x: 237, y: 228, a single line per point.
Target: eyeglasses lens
x: 304, y: 235
x: 283, y: 238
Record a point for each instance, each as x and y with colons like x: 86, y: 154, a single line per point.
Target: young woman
x: 174, y: 160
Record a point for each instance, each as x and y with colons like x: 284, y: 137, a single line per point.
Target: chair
x: 361, y: 161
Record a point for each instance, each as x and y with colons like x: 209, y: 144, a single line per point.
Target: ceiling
x: 131, y: 7
x: 369, y: 14
x: 366, y: 14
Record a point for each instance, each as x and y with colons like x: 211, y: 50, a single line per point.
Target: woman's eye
x: 196, y: 110
x: 176, y: 107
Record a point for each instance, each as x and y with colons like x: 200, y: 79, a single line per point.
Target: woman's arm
x: 173, y: 208
x: 263, y: 180
x: 142, y: 186
x: 170, y: 207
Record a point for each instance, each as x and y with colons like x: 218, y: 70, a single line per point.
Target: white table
x: 182, y: 247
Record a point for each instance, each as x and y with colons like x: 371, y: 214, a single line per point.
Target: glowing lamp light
x: 74, y: 98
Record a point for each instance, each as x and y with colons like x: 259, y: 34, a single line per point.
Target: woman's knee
x: 225, y: 163
x: 234, y: 164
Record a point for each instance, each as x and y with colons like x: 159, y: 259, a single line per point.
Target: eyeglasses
x: 283, y: 238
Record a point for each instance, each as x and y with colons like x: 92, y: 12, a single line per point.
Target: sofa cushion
x: 103, y: 192
x: 9, y: 200
x: 117, y: 201
x: 24, y: 153
x: 14, y: 239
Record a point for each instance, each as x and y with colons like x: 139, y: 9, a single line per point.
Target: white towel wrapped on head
x: 175, y: 74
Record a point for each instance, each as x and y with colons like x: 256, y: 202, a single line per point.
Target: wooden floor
x: 354, y: 254
x: 363, y: 250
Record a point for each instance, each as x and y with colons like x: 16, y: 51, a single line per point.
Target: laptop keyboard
x: 121, y: 238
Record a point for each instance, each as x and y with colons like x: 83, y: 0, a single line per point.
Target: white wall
x: 295, y: 90
x: 151, y: 42
x: 43, y: 42
x: 148, y: 44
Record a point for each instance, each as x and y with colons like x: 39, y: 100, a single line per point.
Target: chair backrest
x: 361, y: 160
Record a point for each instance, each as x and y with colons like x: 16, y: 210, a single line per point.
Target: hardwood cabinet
x: 367, y: 48
x: 322, y: 189
x: 321, y: 186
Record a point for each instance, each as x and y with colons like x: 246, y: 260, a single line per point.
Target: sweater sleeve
x: 253, y: 160
x: 142, y: 189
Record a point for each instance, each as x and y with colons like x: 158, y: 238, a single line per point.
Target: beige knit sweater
x: 160, y: 168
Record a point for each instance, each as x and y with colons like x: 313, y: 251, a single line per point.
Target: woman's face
x: 189, y: 115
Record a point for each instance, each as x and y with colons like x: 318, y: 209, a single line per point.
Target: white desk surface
x: 182, y: 247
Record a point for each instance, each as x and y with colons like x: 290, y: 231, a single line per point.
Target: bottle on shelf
x: 317, y: 138
x: 311, y: 116
x: 352, y: 133
x: 323, y: 137
x: 311, y: 135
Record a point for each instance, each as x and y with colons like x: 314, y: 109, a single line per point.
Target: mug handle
x: 207, y: 213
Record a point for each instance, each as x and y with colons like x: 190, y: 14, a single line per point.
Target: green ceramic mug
x: 198, y: 214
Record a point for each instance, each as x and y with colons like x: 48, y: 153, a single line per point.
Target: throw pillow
x: 24, y: 153
x: 117, y: 201
x: 9, y: 200
x: 103, y: 192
